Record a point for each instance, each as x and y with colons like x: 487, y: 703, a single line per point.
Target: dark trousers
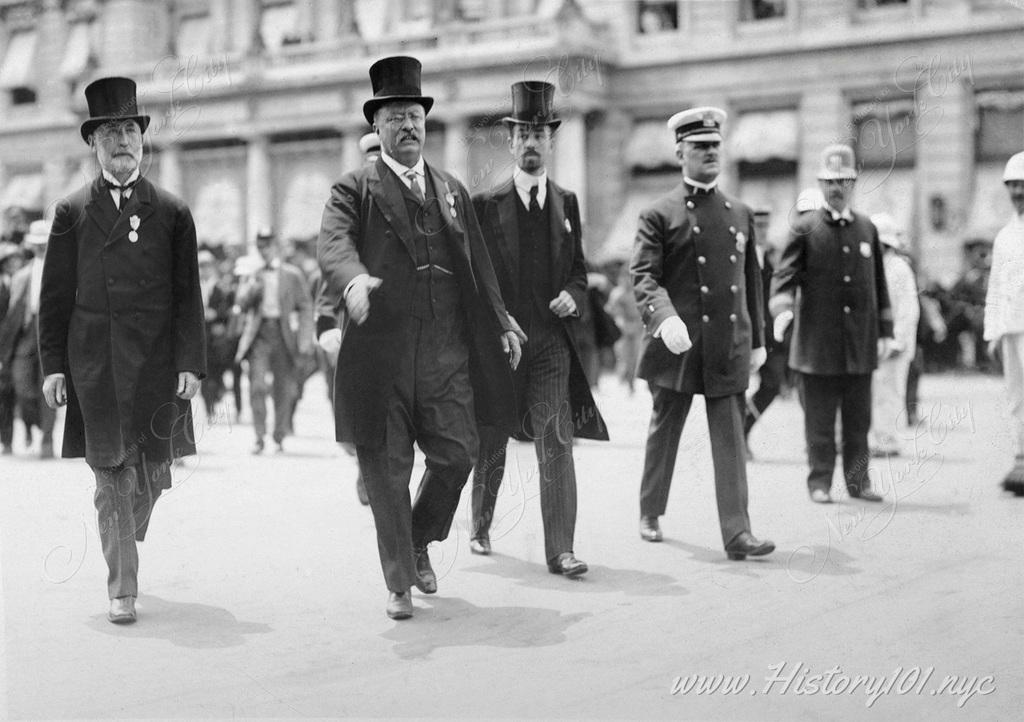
x: 821, y: 397
x: 270, y: 354
x: 431, y: 405
x: 725, y: 426
x: 124, y: 501
x: 772, y: 375
x: 544, y: 377
x: 6, y: 411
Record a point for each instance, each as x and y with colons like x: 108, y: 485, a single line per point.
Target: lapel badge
x: 568, y: 226
x: 449, y: 198
x: 134, y: 222
x: 865, y: 249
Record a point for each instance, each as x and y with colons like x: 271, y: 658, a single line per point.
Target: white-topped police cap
x: 38, y: 233
x: 369, y: 142
x: 698, y: 124
x: 837, y: 163
x: 1014, y: 170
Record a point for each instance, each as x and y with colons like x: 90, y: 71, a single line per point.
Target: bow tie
x: 110, y: 186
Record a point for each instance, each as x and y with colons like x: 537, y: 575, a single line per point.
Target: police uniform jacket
x: 120, y: 319
x: 498, y: 216
x: 695, y: 256
x: 831, y: 276
x: 366, y: 229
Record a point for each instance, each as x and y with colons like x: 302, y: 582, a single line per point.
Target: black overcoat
x: 120, y: 319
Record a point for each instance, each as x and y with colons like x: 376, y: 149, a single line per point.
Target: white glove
x: 675, y: 335
x: 330, y: 341
x: 782, y: 322
x: 188, y: 385
x: 757, y: 358
x: 357, y: 296
x: 887, y: 349
x: 55, y: 390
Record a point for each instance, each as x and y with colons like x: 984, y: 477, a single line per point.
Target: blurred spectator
x: 11, y: 259
x: 622, y: 308
x: 967, y: 299
x: 596, y: 330
x: 889, y: 382
x: 220, y: 347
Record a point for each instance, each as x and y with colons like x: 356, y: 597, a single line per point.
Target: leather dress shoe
x: 426, y: 580
x: 746, y: 544
x: 649, y: 529
x: 481, y: 545
x: 567, y: 565
x: 122, y: 610
x: 865, y: 494
x: 820, y: 496
x: 399, y: 605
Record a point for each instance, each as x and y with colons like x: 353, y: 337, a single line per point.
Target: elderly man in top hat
x: 19, y: 350
x: 427, y: 339
x: 1004, y: 313
x: 831, y: 281
x: 532, y: 229
x: 698, y: 289
x: 121, y: 331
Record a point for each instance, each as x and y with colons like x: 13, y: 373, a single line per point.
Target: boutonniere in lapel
x: 449, y: 198
x: 568, y: 226
x: 133, y: 234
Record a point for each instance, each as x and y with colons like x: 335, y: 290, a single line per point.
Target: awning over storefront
x: 651, y: 146
x: 19, y: 61
x: 76, y: 51
x: 759, y: 136
x: 23, y: 191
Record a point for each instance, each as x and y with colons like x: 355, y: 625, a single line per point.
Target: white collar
x: 706, y: 187
x: 846, y: 214
x: 400, y: 170
x: 525, y: 181
x: 115, y: 182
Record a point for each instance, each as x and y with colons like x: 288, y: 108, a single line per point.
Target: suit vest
x: 533, y: 294
x: 437, y: 290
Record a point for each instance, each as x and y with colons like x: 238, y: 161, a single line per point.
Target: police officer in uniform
x: 843, y: 325
x: 698, y: 288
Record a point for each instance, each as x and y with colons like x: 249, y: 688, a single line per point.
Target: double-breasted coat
x: 496, y: 210
x: 366, y: 229
x: 831, y: 275
x: 120, y: 319
x: 695, y: 256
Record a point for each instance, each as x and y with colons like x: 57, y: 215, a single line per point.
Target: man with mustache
x: 121, y: 334
x: 426, y: 340
x: 532, y: 228
x: 698, y: 288
x: 842, y: 325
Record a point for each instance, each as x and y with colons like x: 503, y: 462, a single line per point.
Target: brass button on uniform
x: 846, y: 279
x: 704, y: 289
x: 732, y: 317
x: 696, y: 229
x: 846, y: 309
x: 701, y: 260
x: 846, y: 249
x: 705, y: 318
x: 689, y: 204
x: 728, y: 204
x: 734, y: 288
x: 732, y: 229
x: 732, y: 258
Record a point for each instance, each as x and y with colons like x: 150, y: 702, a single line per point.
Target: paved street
x: 262, y: 594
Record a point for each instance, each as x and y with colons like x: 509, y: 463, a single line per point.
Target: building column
x: 456, y: 152
x: 245, y: 21
x: 133, y: 31
x: 170, y: 170
x: 570, y: 169
x: 258, y: 196
x: 825, y: 118
x: 220, y: 26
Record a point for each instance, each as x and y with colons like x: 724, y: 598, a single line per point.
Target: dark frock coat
x: 120, y: 319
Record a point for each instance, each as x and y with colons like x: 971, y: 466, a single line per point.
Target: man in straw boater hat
x: 19, y: 347
x: 533, y: 232
x: 121, y: 331
x: 1004, y: 313
x: 698, y: 288
x: 842, y: 325
x: 426, y: 340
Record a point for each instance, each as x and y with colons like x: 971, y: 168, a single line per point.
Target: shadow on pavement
x: 183, y: 624
x: 600, y: 579
x: 454, y: 622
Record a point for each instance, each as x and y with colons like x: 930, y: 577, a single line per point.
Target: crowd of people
x: 452, y: 323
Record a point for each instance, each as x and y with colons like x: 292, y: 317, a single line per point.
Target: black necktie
x: 534, y: 205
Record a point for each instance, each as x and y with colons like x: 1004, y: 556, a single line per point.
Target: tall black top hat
x: 395, y: 78
x: 532, y: 103
x: 111, y: 99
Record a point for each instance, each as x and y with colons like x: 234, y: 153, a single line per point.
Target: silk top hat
x: 837, y: 163
x: 532, y: 104
x: 395, y: 78
x: 698, y: 125
x: 1014, y: 170
x: 370, y: 141
x: 111, y: 99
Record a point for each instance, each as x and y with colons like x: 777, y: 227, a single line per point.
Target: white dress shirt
x: 525, y: 181
x: 114, y: 192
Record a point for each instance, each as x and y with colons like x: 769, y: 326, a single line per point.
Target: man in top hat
x: 698, y: 289
x: 19, y: 350
x: 426, y: 339
x: 1004, y: 313
x: 277, y: 335
x: 121, y: 331
x: 843, y: 325
x: 532, y: 228
x: 889, y: 382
